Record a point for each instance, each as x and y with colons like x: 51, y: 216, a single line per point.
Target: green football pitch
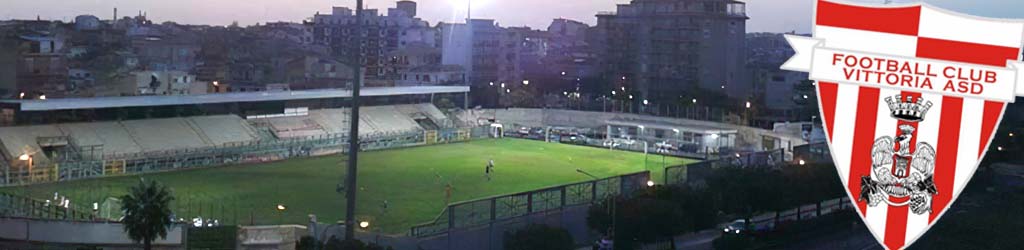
x: 412, y: 181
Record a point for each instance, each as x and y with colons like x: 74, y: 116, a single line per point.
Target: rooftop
x: 147, y: 101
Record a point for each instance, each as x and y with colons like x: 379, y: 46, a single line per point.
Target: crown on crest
x: 908, y: 108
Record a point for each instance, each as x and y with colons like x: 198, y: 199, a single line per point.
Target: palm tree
x: 147, y: 212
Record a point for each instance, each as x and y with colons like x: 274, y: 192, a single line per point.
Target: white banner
x: 905, y: 73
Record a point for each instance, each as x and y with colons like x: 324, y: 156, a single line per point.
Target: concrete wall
x: 65, y: 232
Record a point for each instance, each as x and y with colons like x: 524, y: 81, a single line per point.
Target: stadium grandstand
x: 61, y: 139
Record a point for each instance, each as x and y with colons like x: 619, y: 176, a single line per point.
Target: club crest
x: 910, y: 97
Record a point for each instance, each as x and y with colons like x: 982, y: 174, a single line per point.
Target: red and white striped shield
x: 911, y: 96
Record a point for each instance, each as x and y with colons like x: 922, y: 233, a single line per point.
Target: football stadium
x: 278, y: 158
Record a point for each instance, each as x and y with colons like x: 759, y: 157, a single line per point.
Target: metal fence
x: 775, y: 219
x: 227, y: 154
x: 483, y: 212
x: 23, y: 207
x: 695, y: 173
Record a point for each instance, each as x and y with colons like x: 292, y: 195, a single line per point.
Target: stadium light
x: 364, y: 224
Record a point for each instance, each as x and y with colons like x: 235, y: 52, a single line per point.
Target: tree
x: 651, y: 216
x: 539, y: 237
x: 147, y: 212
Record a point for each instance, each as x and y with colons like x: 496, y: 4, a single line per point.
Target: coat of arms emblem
x: 910, y: 97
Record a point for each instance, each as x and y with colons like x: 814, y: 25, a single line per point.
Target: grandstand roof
x: 143, y: 101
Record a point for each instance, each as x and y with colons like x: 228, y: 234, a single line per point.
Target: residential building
x: 488, y: 53
x: 164, y: 82
x: 384, y: 33
x: 412, y: 56
x: 310, y: 72
x: 429, y: 75
x: 662, y: 49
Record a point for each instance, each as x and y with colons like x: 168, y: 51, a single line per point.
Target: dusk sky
x: 766, y: 15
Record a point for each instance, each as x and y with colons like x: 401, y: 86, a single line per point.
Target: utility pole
x: 353, y: 135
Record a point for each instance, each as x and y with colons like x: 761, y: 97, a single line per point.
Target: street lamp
x: 650, y: 183
x: 21, y: 96
x: 26, y: 158
x: 748, y: 105
x: 645, y: 102
x: 526, y: 82
x: 694, y: 100
x: 492, y: 83
x: 280, y: 215
x: 42, y: 97
x: 364, y: 224
x: 613, y: 92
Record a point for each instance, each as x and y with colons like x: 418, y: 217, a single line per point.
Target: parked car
x: 736, y: 227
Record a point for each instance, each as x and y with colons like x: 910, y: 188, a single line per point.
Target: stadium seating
x: 169, y: 134
x: 112, y: 136
x: 164, y: 134
x: 294, y: 127
x: 425, y: 111
x: 333, y: 121
x: 223, y: 129
x: 22, y: 140
x: 388, y: 120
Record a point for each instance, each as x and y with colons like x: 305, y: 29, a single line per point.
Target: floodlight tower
x: 353, y: 135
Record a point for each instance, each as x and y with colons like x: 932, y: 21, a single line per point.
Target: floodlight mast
x: 353, y: 135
